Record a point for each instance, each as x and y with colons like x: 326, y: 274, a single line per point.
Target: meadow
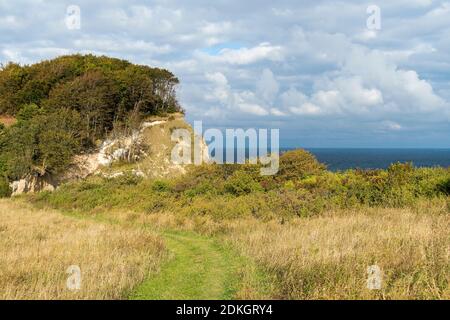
x: 38, y: 246
x: 310, y: 232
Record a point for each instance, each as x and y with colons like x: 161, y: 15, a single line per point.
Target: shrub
x: 5, y: 190
x: 28, y: 112
x: 197, y: 175
x: 444, y: 187
x: 298, y: 164
x: 127, y: 179
x: 202, y: 188
x: 161, y: 186
x: 400, y: 173
x: 43, y: 144
x: 241, y: 183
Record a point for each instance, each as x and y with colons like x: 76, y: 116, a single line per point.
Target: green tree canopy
x: 64, y: 105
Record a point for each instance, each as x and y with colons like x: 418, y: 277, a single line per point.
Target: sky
x: 326, y: 73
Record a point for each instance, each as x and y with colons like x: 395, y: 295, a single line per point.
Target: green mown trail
x: 199, y: 269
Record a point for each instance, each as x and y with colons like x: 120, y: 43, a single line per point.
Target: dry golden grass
x: 37, y: 247
x: 327, y: 257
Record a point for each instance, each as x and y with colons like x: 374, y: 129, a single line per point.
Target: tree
x: 43, y: 144
x: 298, y: 164
x: 64, y: 105
x: 93, y: 95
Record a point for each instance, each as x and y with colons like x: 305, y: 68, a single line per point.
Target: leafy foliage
x: 241, y: 183
x: 5, y: 190
x: 233, y: 191
x: 298, y: 164
x: 64, y: 105
x: 43, y: 144
x: 111, y: 87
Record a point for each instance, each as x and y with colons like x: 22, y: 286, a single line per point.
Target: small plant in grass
x: 161, y: 186
x: 5, y: 190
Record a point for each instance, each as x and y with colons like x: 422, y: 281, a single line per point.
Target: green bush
x: 231, y: 191
x: 161, y: 186
x: 28, y: 112
x: 444, y: 187
x: 43, y: 144
x: 241, y: 183
x: 298, y: 164
x: 5, y: 190
x: 201, y: 189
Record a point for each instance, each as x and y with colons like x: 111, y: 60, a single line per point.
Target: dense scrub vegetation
x: 63, y: 106
x: 236, y: 191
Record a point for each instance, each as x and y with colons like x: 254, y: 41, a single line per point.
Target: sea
x: 338, y: 159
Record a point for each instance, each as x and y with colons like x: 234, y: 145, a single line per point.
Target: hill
x: 59, y: 108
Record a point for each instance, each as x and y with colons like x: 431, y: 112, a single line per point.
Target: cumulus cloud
x: 267, y: 86
x: 244, y: 56
x: 391, y: 126
x: 252, y: 109
x: 306, y: 108
x: 306, y: 66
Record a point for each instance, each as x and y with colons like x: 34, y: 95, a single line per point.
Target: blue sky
x: 311, y: 68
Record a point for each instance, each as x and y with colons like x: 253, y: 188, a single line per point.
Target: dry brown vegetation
x: 7, y: 121
x: 37, y: 247
x: 312, y: 238
x: 327, y: 257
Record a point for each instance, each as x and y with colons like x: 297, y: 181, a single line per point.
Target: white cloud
x: 355, y: 93
x: 253, y: 109
x: 244, y: 56
x: 391, y: 126
x: 10, y: 22
x: 120, y: 45
x: 289, y: 62
x: 267, y: 87
x: 306, y: 109
x: 221, y: 91
x: 292, y: 98
x: 211, y: 28
x: 277, y: 112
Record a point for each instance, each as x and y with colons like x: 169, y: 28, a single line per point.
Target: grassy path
x: 199, y: 269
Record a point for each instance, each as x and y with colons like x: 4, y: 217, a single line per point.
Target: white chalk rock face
x: 129, y: 148
x: 149, y: 146
x: 33, y: 184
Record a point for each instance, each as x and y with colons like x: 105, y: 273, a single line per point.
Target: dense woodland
x: 63, y: 106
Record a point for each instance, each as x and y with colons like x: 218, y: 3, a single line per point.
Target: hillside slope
x: 53, y: 111
x: 144, y: 153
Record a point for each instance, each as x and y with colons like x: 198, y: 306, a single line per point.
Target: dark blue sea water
x: 342, y: 159
x: 352, y: 158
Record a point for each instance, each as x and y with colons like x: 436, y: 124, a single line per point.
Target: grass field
x: 220, y: 233
x: 38, y: 246
x: 327, y: 257
x: 201, y: 268
x: 323, y: 257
